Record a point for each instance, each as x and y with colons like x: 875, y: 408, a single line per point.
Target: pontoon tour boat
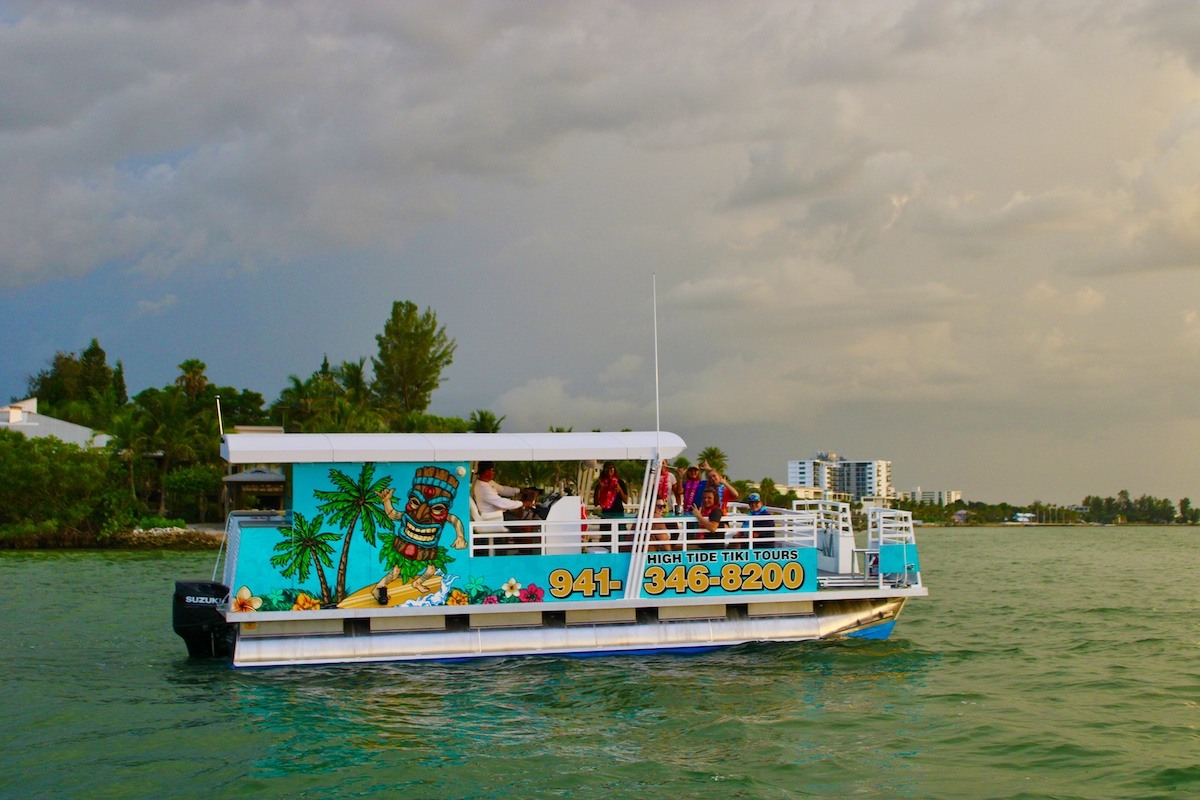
x: 383, y: 555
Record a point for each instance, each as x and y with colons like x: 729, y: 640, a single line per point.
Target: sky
x: 963, y: 237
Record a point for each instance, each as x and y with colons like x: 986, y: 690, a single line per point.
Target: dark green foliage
x: 196, y: 485
x: 483, y: 421
x: 331, y: 399
x: 1122, y: 508
x: 81, y: 389
x: 238, y: 406
x: 413, y: 352
x: 50, y: 487
x: 173, y: 432
x: 418, y: 422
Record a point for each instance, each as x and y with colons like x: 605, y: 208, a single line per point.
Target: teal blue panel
x: 350, y: 506
x: 898, y: 558
x: 544, y: 579
x: 730, y: 573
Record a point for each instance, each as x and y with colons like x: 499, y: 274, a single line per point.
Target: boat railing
x: 889, y: 526
x: 890, y: 557
x: 598, y: 535
x: 836, y: 542
x: 234, y: 524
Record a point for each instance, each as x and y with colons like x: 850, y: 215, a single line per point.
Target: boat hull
x: 458, y: 639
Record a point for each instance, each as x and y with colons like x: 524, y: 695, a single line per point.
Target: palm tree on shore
x: 354, y: 503
x: 171, y: 430
x: 715, y: 457
x: 192, y: 379
x: 484, y: 421
x: 352, y: 375
x: 128, y: 441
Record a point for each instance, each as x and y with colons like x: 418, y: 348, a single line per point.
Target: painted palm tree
x: 354, y: 503
x: 305, y: 548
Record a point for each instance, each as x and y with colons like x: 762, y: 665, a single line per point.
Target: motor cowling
x: 197, y: 618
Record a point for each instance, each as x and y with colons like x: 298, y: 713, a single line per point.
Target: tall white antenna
x: 220, y: 424
x: 657, y: 405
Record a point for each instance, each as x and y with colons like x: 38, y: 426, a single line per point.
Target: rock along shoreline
x: 167, y: 539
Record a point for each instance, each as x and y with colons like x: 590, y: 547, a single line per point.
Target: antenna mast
x: 657, y: 404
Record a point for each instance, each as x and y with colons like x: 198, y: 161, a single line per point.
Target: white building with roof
x: 22, y: 417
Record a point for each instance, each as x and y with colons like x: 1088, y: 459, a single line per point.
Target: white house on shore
x: 22, y: 417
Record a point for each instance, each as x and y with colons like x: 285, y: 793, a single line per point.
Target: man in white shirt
x: 491, y: 497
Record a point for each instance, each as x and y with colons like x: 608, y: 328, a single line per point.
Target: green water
x: 1048, y: 663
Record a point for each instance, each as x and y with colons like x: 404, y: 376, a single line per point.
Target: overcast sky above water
x: 961, y: 236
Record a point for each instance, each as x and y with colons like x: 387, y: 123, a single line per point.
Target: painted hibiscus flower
x: 512, y: 588
x: 306, y: 603
x: 457, y: 598
x: 532, y: 594
x: 245, y: 601
x: 491, y: 600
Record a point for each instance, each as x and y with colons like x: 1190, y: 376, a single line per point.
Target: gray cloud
x: 896, y: 225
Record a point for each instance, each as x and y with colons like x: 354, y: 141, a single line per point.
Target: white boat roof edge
x: 319, y: 448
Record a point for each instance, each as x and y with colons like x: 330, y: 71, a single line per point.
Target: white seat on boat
x: 484, y: 522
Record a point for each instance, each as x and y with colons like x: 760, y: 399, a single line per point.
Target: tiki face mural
x: 414, y: 543
x: 425, y: 514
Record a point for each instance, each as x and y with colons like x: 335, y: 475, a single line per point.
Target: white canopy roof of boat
x: 319, y: 448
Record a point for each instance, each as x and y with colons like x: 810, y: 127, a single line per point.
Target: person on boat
x: 706, y: 527
x: 492, y: 497
x: 669, y: 490
x: 529, y: 497
x: 726, y: 493
x: 692, y: 486
x: 611, y: 493
x: 762, y: 529
x: 662, y: 533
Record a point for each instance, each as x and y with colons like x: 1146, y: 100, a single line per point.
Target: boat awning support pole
x: 641, y: 529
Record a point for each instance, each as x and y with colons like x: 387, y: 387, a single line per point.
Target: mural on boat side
x: 352, y: 543
x: 348, y: 525
x: 416, y: 563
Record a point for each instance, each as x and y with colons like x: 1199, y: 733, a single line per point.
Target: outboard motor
x: 197, y: 618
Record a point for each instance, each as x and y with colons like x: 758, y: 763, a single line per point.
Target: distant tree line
x: 1144, y: 510
x: 162, y: 463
